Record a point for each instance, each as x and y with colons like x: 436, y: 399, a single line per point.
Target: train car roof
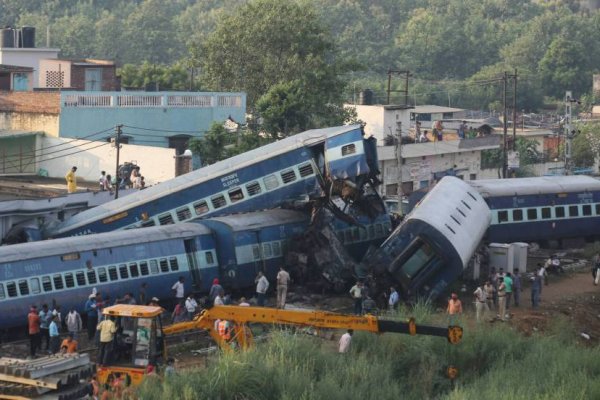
x: 259, y: 219
x: 537, y: 185
x: 51, y: 247
x: 310, y: 137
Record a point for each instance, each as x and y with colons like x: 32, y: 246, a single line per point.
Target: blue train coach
x: 541, y: 208
x: 263, y: 178
x: 65, y: 271
x: 435, y: 242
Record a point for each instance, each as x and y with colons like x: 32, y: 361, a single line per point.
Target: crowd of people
x: 107, y: 183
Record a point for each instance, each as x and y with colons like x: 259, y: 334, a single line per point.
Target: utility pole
x: 118, y: 132
x: 505, y: 127
x: 514, y: 125
x: 399, y: 191
x: 569, y: 131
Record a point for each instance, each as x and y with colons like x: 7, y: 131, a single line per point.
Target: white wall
x: 157, y: 164
x: 373, y: 117
x: 27, y: 57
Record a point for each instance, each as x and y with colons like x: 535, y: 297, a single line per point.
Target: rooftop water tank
x: 7, y: 37
x: 365, y: 97
x: 28, y: 36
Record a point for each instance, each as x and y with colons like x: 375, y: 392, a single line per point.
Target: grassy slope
x: 494, y: 362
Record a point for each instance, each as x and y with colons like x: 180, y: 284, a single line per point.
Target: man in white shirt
x: 394, y: 298
x: 190, y: 306
x: 283, y: 279
x: 345, y: 340
x: 179, y: 289
x: 262, y: 285
x: 481, y: 306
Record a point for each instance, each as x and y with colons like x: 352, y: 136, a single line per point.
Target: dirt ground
x: 571, y: 295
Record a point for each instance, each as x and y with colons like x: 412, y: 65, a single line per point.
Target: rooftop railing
x: 147, y: 100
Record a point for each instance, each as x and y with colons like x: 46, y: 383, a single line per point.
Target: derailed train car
x: 431, y: 247
x: 313, y: 164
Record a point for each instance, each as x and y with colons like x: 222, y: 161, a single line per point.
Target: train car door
x: 257, y: 251
x: 191, y: 252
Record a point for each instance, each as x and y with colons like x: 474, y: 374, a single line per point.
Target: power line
x: 162, y: 130
x: 76, y: 152
x: 31, y: 154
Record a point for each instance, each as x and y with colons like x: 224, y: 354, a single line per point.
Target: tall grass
x: 494, y: 363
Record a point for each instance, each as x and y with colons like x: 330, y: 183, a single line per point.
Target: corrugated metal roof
x: 52, y: 247
x: 537, y: 185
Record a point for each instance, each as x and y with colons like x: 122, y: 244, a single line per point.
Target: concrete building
x: 86, y: 74
x: 390, y: 120
x: 25, y: 56
x: 15, y: 78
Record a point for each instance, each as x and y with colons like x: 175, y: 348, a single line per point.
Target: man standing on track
x: 34, y: 331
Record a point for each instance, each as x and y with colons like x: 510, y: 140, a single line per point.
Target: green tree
x: 267, y: 42
x: 586, y: 144
x: 160, y: 77
x: 211, y: 147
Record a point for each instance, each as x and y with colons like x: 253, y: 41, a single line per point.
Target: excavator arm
x: 240, y: 317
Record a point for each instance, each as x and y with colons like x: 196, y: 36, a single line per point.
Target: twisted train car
x: 541, y: 208
x: 431, y: 247
x: 300, y: 166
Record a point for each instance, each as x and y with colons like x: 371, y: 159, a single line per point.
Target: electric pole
x: 505, y: 126
x: 514, y: 125
x: 118, y: 132
x: 569, y: 131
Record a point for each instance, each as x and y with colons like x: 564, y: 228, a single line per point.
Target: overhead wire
x: 162, y: 130
x: 31, y: 153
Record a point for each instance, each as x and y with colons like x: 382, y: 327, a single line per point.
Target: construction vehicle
x: 143, y: 338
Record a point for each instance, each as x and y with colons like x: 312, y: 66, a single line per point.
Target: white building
x: 27, y: 57
x: 389, y: 120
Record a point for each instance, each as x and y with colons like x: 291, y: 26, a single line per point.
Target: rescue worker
x: 71, y: 179
x: 107, y: 330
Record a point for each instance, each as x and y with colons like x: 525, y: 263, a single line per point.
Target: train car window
x: 35, y: 285
x: 253, y: 188
x: 2, y: 295
x: 164, y: 266
x: 46, y: 283
x: 532, y: 214
x: 347, y: 236
x: 559, y: 212
x: 271, y: 182
x: 165, y: 219
x: 371, y: 230
x: 465, y: 203
x: 597, y: 209
x: 80, y: 276
x: 112, y: 273
x: 209, y: 257
x: 174, y: 264
x: 546, y: 213
x: 574, y: 211
x: 69, y: 280
x: 419, y: 255
x: 218, y: 201
x: 378, y: 230
x: 267, y: 250
x: 288, y: 176
x: 256, y: 252
x: 91, y: 275
x: 23, y: 287
x: 201, y: 207
x: 133, y: 270
x: 586, y: 209
x: 11, y: 288
x: 356, y: 234
x: 517, y: 215
x: 123, y: 273
x: 148, y: 223
x: 305, y: 170
x: 236, y: 195
x: 348, y: 149
x: 102, y: 276
x: 502, y: 216
x: 58, y: 282
x: 144, y: 268
x: 183, y: 213
x: 276, y: 249
x: 153, y: 267
x: 363, y: 234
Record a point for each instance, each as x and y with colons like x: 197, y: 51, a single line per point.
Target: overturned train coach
x: 232, y: 248
x: 313, y: 164
x: 435, y: 242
